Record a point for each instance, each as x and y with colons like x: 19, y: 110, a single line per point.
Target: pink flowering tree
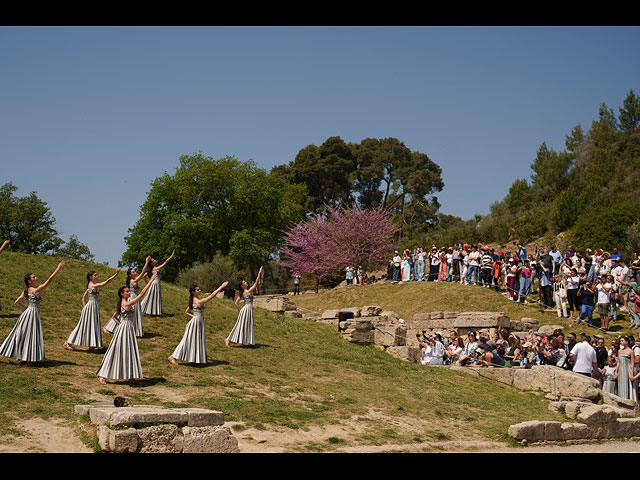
x: 326, y: 245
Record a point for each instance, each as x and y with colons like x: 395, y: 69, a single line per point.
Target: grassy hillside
x: 300, y: 374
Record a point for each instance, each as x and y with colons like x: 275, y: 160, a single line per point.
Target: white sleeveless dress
x: 87, y: 332
x: 193, y: 346
x: 24, y: 342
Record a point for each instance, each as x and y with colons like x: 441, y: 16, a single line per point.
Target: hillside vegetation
x: 300, y: 375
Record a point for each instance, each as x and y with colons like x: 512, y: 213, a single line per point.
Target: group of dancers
x: 121, y: 360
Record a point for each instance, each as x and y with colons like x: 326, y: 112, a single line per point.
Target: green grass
x: 300, y: 374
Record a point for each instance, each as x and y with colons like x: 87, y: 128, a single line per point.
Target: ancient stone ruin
x: 150, y: 429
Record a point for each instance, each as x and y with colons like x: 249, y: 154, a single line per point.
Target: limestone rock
x: 209, y: 440
x: 370, y: 311
x: 596, y: 414
x: 390, y: 335
x: 118, y: 441
x: 407, y: 353
x: 333, y: 313
x: 160, y: 439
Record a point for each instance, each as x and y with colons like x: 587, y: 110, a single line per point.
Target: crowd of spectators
x: 616, y: 366
x: 576, y: 285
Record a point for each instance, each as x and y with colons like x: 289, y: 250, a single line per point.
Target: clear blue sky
x: 89, y: 116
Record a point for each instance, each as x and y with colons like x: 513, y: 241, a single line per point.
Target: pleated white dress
x: 87, y: 332
x: 152, y: 303
x: 24, y: 342
x: 243, y: 331
x: 122, y: 359
x: 111, y: 325
x: 193, y: 346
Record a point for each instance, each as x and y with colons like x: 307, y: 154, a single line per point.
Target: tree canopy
x: 211, y: 205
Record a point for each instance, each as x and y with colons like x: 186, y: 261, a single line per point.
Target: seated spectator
x: 454, y: 350
x: 522, y: 361
x: 469, y: 354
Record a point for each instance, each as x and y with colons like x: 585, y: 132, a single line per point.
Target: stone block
x: 390, y: 335
x: 482, y: 320
x: 390, y: 315
x: 333, y: 313
x: 118, y: 441
x: 363, y: 337
x: 209, y: 440
x: 532, y: 431
x: 596, y: 414
x: 502, y: 375
x: 626, y: 428
x: 407, y: 353
x: 616, y: 401
x: 135, y: 416
x: 574, y: 431
x: 358, y: 324
x: 573, y: 409
x: 421, y: 316
x: 201, y: 417
x: 370, y: 311
x: 160, y: 439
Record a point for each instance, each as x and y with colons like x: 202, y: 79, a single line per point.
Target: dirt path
x: 42, y: 436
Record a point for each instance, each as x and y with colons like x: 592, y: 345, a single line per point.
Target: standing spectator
x: 296, y: 284
x: 465, y: 264
x: 434, y: 264
x: 603, y: 288
x: 396, y: 266
x: 571, y: 342
x: 584, y: 358
x: 486, y: 268
x: 634, y: 267
x: 521, y: 252
x: 616, y: 255
x: 546, y: 269
x: 474, y: 265
x: 420, y: 265
x: 601, y: 352
x: 560, y: 295
x: 629, y: 293
x: 525, y: 281
x: 556, y: 258
x: 406, y: 266
x: 358, y: 277
x: 614, y: 296
x: 572, y: 284
x: 512, y: 271
x: 349, y: 275
x: 609, y: 376
x: 455, y: 260
x: 586, y: 294
x: 589, y: 264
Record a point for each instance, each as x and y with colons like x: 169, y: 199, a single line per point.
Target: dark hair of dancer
x: 129, y: 277
x: 27, y: 277
x: 89, y: 275
x: 192, y: 289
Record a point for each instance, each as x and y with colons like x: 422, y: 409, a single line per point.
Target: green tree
x: 27, y: 222
x: 629, y: 116
x: 73, y: 248
x: 207, y: 203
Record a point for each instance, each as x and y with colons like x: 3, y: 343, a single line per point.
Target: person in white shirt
x: 583, y: 356
x: 603, y: 291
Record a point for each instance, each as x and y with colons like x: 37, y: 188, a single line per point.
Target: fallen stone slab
x: 145, y: 415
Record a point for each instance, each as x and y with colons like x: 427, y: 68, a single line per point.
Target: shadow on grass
x: 42, y: 364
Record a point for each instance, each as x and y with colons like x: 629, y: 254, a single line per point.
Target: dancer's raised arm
x: 166, y: 261
x: 210, y: 297
x: 51, y: 277
x: 144, y: 269
x: 108, y: 280
x: 255, y: 284
x: 4, y: 244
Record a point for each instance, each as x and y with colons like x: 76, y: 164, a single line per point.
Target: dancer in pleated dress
x: 4, y: 244
x: 624, y: 371
x: 193, y: 346
x: 243, y: 331
x: 152, y: 305
x: 122, y: 358
x: 132, y: 282
x: 25, y: 341
x: 87, y: 331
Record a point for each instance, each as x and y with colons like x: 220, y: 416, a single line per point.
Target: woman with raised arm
x: 25, y: 341
x: 87, y: 331
x: 132, y: 282
x: 152, y: 305
x: 193, y: 346
x: 122, y: 359
x: 243, y: 331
